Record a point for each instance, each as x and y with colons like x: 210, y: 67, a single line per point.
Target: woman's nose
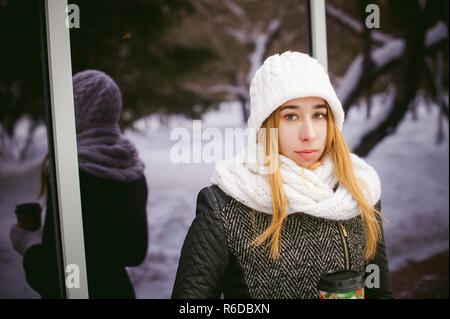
x: 306, y: 132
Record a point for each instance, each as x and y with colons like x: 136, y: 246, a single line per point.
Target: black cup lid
x: 341, y: 280
x: 28, y: 208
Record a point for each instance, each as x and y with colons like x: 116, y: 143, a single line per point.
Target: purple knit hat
x: 97, y: 100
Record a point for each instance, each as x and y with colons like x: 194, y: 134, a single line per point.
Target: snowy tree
x: 403, y: 57
x: 123, y: 39
x: 243, y: 34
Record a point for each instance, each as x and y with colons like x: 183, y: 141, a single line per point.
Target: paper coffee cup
x: 341, y: 284
x: 29, y: 216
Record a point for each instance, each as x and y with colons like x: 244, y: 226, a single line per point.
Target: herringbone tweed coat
x: 217, y: 257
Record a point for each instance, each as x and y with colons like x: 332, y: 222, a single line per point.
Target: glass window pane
x: 28, y: 256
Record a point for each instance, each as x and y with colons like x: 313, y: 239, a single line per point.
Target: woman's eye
x: 319, y: 116
x: 290, y: 117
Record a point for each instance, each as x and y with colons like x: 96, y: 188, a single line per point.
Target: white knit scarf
x: 307, y: 191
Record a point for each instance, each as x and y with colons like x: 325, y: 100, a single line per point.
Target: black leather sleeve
x: 380, y: 259
x: 204, y: 256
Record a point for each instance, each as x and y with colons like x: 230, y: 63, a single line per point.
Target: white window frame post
x: 318, y: 31
x: 65, y: 145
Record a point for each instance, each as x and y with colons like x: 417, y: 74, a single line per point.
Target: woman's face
x: 303, y: 130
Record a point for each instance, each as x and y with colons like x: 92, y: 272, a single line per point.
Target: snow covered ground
x: 413, y: 171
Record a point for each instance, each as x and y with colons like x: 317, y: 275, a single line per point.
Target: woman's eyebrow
x: 289, y: 107
x: 318, y: 106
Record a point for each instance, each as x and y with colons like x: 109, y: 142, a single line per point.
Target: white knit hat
x: 289, y: 76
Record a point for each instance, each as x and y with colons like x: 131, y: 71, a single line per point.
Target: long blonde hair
x: 343, y: 168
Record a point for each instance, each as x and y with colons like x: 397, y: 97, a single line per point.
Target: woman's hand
x: 23, y: 239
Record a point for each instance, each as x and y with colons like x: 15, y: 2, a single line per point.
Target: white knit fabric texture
x: 289, y: 76
x: 307, y: 191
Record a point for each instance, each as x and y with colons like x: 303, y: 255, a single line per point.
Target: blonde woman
x: 302, y: 205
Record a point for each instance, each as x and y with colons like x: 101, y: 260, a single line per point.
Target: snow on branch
x: 394, y: 49
x: 344, y: 19
x: 233, y: 7
x: 217, y: 89
x: 238, y: 34
x: 436, y: 34
x: 260, y: 45
x: 237, y: 11
x: 383, y: 56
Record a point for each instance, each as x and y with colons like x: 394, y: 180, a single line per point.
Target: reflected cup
x: 29, y: 216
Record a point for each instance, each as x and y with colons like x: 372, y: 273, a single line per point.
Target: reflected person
x: 113, y: 192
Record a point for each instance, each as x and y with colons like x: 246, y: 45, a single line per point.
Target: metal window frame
x: 317, y: 31
x: 64, y: 145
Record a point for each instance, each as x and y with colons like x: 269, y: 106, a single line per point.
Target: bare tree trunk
x: 29, y: 140
x: 412, y: 107
x: 440, y: 137
x: 3, y: 137
x: 369, y: 105
x: 245, y: 111
x: 434, y: 74
x: 440, y: 98
x: 368, y: 64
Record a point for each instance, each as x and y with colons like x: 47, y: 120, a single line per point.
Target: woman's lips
x: 308, y: 154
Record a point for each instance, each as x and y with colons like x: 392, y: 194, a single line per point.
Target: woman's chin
x: 307, y: 164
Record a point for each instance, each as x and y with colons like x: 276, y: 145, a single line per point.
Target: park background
x: 181, y: 60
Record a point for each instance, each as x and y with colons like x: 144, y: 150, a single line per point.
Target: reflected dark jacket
x: 115, y: 236
x: 217, y: 258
